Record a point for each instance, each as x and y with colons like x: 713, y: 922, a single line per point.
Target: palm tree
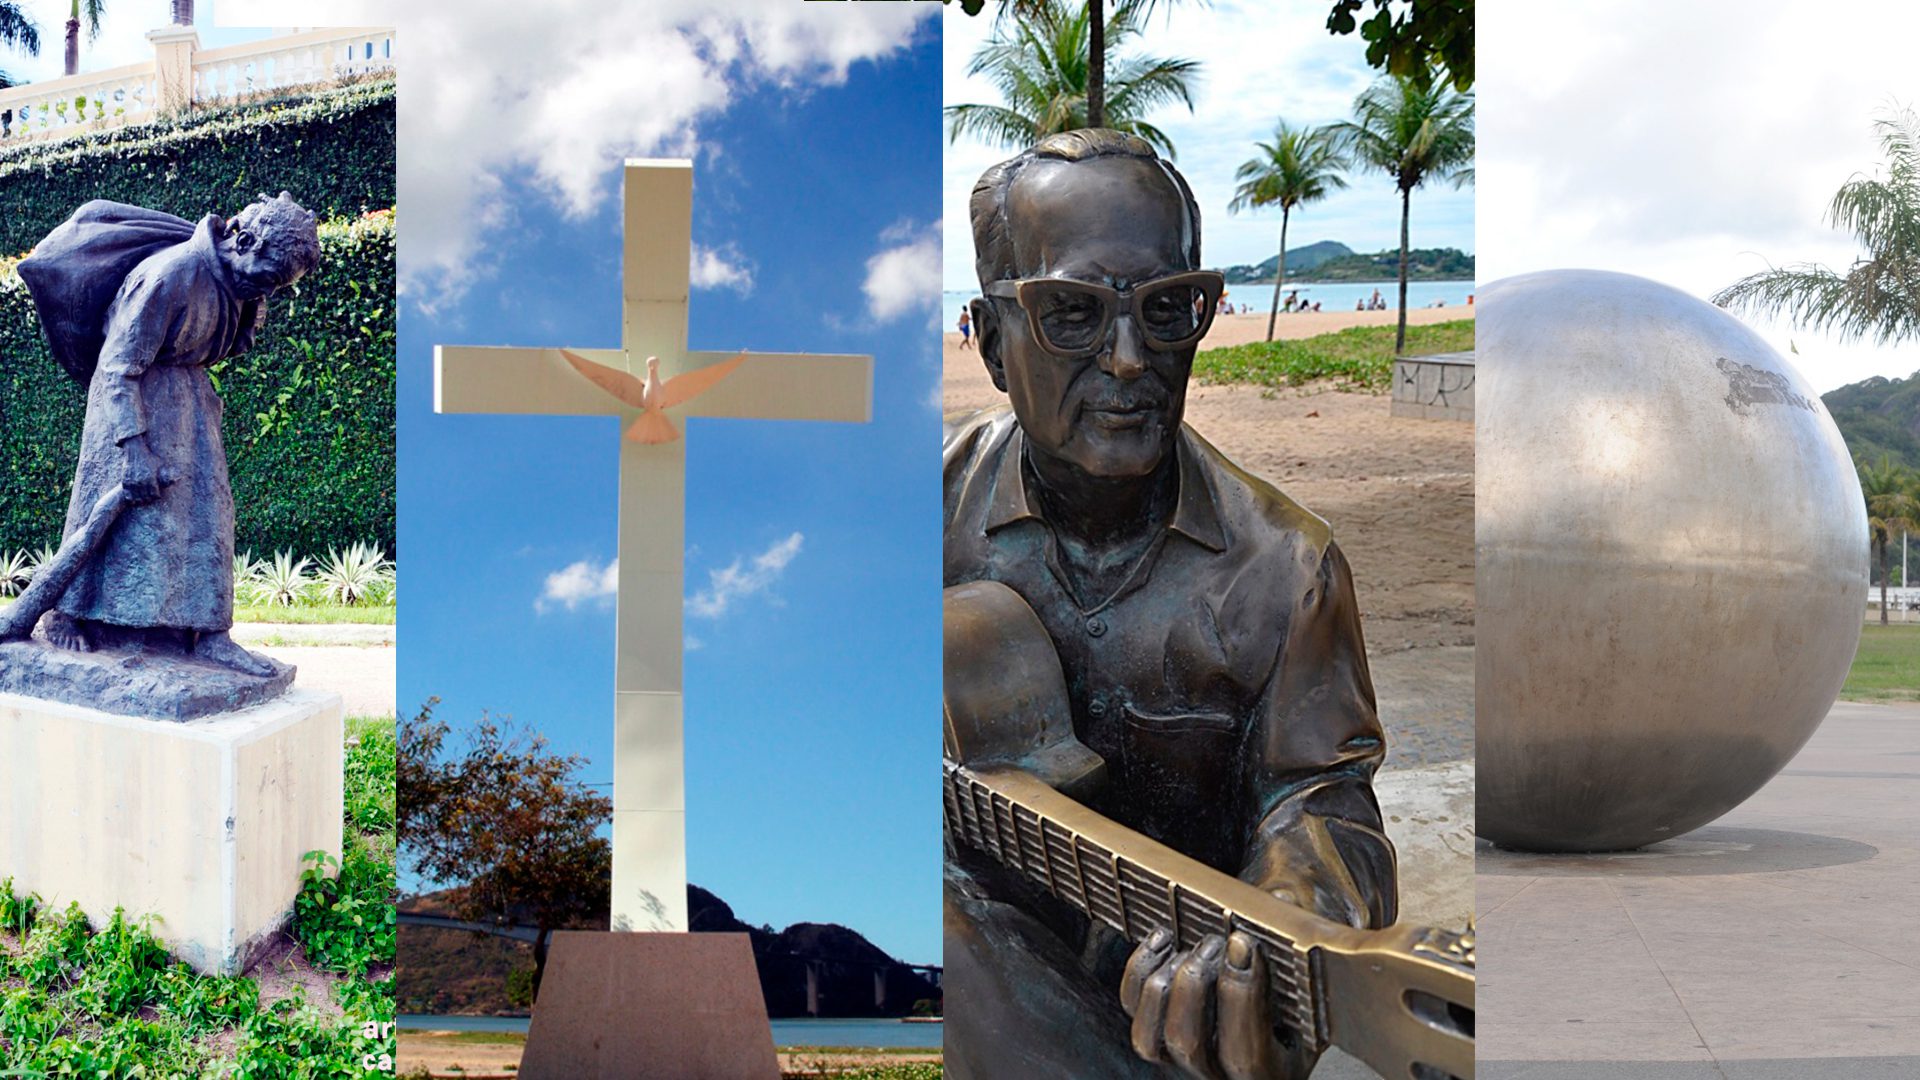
x: 1298, y: 166
x: 1099, y: 30
x: 17, y: 31
x: 1037, y: 59
x: 1891, y: 508
x: 183, y: 12
x: 1414, y: 135
x: 91, y: 11
x: 1879, y: 296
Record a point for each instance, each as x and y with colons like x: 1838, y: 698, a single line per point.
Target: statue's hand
x: 140, y: 473
x: 1205, y: 1010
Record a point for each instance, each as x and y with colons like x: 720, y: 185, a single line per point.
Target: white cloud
x: 1705, y: 166
x: 580, y: 583
x: 742, y: 578
x: 904, y: 275
x: 557, y: 94
x: 722, y: 268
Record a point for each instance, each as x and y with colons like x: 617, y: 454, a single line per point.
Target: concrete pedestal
x: 202, y: 823
x: 626, y: 1006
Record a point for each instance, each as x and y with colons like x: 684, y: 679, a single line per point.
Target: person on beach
x: 966, y: 329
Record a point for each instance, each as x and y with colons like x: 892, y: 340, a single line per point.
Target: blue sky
x: 812, y: 702
x: 1262, y: 60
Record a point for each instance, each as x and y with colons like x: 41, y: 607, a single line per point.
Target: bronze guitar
x: 1399, y: 999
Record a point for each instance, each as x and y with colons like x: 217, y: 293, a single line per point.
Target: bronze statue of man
x: 1206, y: 626
x: 137, y: 305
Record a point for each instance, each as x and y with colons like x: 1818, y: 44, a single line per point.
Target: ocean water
x: 1339, y: 296
x: 868, y: 1033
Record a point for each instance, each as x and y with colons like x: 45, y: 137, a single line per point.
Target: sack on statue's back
x: 75, y: 272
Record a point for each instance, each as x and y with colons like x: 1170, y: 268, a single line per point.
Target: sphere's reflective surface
x: 1671, y: 562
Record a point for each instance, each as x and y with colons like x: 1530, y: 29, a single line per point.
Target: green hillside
x: 1299, y: 261
x: 1879, y: 416
x: 1330, y: 260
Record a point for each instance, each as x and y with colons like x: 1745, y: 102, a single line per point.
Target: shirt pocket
x: 1182, y: 780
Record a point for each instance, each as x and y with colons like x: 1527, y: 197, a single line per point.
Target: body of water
x: 871, y: 1033
x: 1339, y: 296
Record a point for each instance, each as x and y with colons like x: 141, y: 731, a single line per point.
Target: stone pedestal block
x: 622, y: 1006
x: 202, y: 824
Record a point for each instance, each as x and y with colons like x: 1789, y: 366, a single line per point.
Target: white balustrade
x: 96, y: 99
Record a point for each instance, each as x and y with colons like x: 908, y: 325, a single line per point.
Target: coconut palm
x: 1415, y: 135
x: 1037, y: 59
x: 90, y: 11
x: 1099, y: 33
x: 17, y: 31
x: 1299, y: 166
x: 1879, y: 295
x: 1891, y: 509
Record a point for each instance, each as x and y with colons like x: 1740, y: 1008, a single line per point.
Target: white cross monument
x: 649, y: 790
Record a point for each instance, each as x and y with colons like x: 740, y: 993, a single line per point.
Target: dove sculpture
x: 653, y: 397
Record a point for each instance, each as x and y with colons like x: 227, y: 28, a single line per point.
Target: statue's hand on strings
x: 140, y: 471
x: 1205, y: 1010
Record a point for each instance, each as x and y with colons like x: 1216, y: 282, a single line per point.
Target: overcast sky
x: 1689, y: 143
x: 1263, y: 60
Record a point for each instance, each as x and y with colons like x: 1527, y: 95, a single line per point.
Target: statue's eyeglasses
x: 1071, y: 319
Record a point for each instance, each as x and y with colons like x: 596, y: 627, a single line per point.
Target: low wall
x: 1437, y: 387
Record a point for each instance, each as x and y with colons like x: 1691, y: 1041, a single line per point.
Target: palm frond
x: 18, y: 30
x: 1037, y: 61
x: 1870, y: 301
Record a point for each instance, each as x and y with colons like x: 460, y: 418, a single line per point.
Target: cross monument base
x: 635, y: 1006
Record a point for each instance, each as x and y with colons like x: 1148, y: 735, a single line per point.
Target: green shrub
x: 333, y: 150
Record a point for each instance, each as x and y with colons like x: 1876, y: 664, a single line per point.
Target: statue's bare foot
x: 220, y: 649
x: 64, y: 632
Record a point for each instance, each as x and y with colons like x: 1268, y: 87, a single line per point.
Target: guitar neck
x: 1126, y: 881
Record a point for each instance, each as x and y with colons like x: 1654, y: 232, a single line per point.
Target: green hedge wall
x: 309, y: 410
x: 333, y: 150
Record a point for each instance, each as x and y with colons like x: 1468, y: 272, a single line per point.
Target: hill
x: 1329, y: 261
x: 1879, y: 416
x: 457, y: 972
x: 1299, y: 261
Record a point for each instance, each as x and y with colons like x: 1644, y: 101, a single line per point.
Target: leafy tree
x: 1423, y: 38
x: 1087, y: 56
x: 90, y: 12
x: 1891, y: 508
x: 1413, y: 134
x: 1298, y: 166
x: 17, y: 31
x: 1879, y: 295
x: 509, y: 821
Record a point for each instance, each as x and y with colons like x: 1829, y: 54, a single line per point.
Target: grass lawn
x: 1359, y: 358
x: 1887, y: 667
x: 315, y: 614
x: 109, y: 1002
x: 302, y: 615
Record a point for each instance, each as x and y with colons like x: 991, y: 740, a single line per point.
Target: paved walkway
x: 1781, y: 941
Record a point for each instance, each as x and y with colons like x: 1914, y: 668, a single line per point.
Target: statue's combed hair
x: 993, y: 246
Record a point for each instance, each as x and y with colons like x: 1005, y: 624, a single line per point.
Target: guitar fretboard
x: 1124, y: 891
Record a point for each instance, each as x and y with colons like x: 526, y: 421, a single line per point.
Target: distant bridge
x: 817, y: 967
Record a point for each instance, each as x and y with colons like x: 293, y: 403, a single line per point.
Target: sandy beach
x: 1399, y: 493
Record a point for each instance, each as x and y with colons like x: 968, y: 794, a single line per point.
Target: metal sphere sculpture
x: 1671, y: 562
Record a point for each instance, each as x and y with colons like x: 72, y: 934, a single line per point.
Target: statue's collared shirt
x: 1224, y: 682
